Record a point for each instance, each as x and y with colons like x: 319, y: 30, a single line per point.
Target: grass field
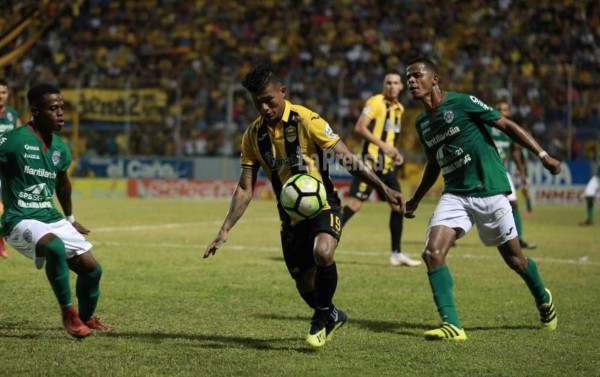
x: 238, y: 314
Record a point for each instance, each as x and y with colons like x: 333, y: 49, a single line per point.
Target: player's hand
x: 216, y: 244
x: 411, y: 207
x: 393, y: 153
x: 551, y: 164
x: 524, y: 181
x: 395, y: 200
x: 80, y: 228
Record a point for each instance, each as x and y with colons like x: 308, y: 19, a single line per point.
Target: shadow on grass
x: 219, y: 341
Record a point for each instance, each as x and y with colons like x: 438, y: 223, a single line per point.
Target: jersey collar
x: 37, y: 134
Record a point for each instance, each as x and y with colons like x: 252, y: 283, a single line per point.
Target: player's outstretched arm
x: 239, y: 202
x: 518, y: 134
x: 63, y: 194
x: 430, y: 175
x: 358, y: 169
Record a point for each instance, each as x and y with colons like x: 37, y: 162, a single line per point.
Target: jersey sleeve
x: 320, y: 132
x: 478, y: 110
x: 372, y: 108
x: 249, y: 157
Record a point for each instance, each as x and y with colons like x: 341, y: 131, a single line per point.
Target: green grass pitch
x: 238, y: 314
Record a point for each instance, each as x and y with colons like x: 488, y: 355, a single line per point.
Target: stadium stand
x: 334, y: 52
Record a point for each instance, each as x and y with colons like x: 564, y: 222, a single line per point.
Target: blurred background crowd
x: 543, y: 56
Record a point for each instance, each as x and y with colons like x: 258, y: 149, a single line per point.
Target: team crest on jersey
x: 55, y: 157
x: 448, y: 116
x: 291, y: 134
x: 27, y: 236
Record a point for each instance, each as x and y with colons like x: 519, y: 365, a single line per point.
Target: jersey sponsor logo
x: 55, y: 157
x: 24, y: 204
x: 424, y: 124
x: 32, y: 147
x: 31, y: 156
x: 450, y: 158
x: 441, y: 137
x: 448, y: 116
x: 329, y: 132
x: 36, y: 193
x: 274, y: 163
x: 291, y: 134
x: 479, y: 102
x: 41, y: 172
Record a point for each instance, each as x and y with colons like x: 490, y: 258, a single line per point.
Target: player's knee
x: 432, y: 255
x: 323, y: 254
x: 96, y: 273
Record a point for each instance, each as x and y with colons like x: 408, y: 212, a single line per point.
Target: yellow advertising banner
x: 115, y: 105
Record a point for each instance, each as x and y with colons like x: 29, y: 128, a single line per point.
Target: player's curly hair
x: 425, y: 61
x: 36, y: 94
x: 260, y: 77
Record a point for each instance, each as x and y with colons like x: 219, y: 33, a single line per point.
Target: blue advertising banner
x: 142, y: 167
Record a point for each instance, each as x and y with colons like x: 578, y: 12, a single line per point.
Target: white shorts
x: 593, y: 187
x: 492, y: 215
x: 512, y: 197
x: 26, y: 234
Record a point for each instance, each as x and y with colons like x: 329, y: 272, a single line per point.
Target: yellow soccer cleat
x: 337, y: 319
x: 548, y: 315
x: 446, y: 332
x: 317, y: 335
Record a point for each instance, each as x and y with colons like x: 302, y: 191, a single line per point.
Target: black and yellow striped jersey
x: 295, y: 145
x: 386, y: 125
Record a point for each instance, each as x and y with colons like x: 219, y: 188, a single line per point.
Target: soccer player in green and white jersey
x: 508, y: 149
x: 592, y: 190
x: 457, y: 144
x: 9, y: 120
x: 33, y: 165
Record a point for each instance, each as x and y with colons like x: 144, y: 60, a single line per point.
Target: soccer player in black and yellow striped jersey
x: 379, y: 125
x: 288, y: 139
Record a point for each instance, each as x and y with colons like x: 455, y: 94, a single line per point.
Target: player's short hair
x: 260, y: 77
x: 36, y: 94
x: 425, y: 61
x: 392, y: 71
x: 3, y: 82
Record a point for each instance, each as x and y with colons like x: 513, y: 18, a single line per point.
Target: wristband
x: 542, y: 154
x: 70, y: 218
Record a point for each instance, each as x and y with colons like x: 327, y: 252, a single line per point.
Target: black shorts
x: 361, y: 191
x: 298, y: 241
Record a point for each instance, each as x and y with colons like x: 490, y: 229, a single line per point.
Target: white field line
x: 175, y: 225
x: 584, y: 260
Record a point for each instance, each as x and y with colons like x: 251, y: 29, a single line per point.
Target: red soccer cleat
x: 73, y: 324
x: 94, y: 324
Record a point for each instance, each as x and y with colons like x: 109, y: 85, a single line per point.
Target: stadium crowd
x: 334, y: 52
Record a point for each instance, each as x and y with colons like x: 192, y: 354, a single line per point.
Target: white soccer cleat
x: 400, y: 259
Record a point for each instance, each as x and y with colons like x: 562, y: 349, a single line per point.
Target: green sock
x: 57, y: 271
x: 88, y: 291
x: 441, y: 283
x: 534, y: 283
x: 528, y: 205
x: 517, y: 217
x: 589, y: 203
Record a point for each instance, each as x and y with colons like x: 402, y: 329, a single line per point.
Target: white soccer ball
x: 303, y: 196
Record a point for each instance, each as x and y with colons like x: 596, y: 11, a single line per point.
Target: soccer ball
x: 303, y: 196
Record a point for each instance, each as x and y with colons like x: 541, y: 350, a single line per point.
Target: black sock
x: 347, y: 213
x: 311, y: 298
x: 325, y: 285
x: 396, y: 221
